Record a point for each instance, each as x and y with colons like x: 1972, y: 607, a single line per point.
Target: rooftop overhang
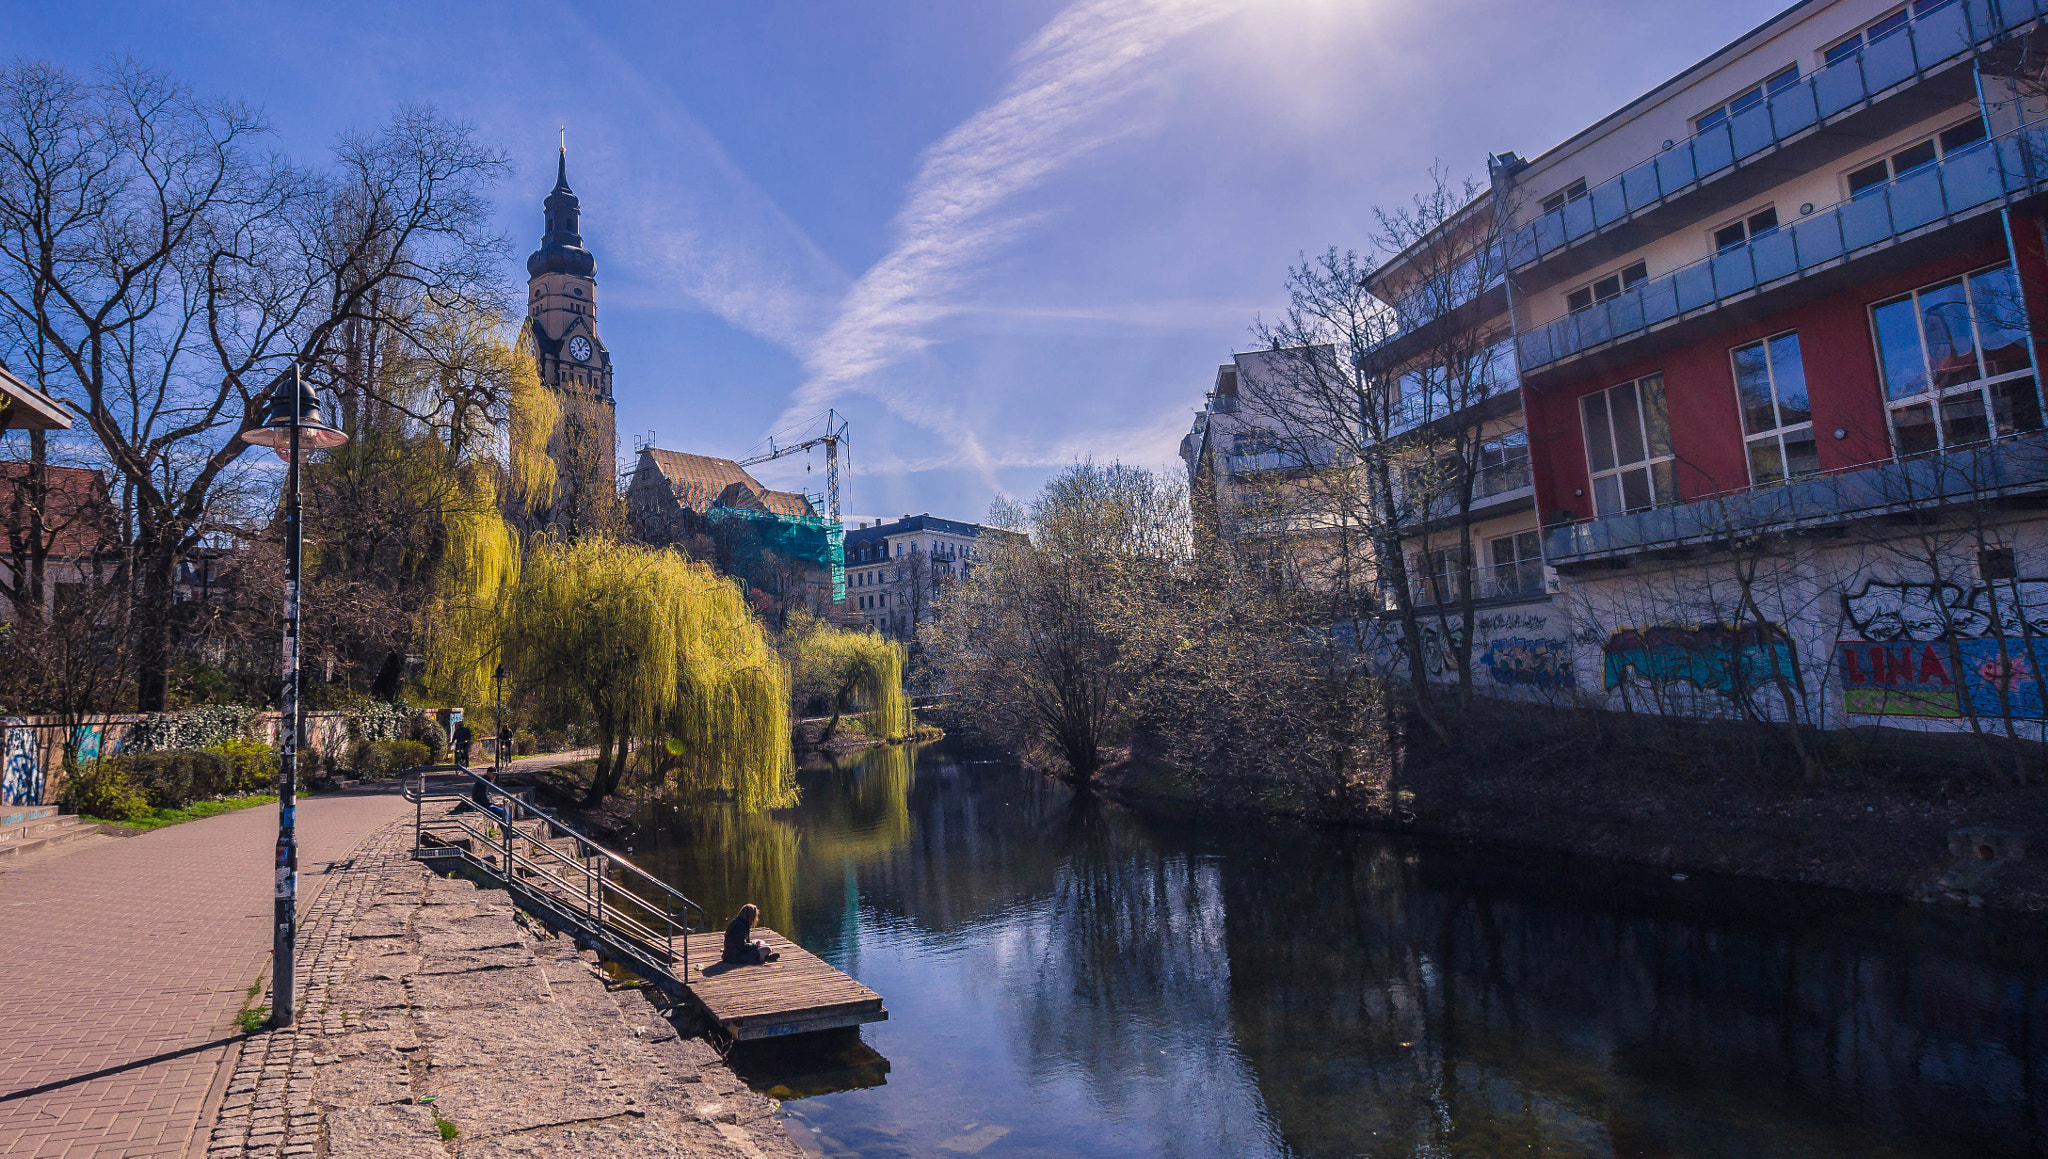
x: 24, y: 408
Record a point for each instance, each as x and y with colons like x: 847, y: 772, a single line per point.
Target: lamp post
x: 291, y: 426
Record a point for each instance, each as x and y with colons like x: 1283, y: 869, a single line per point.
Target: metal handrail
x: 677, y: 912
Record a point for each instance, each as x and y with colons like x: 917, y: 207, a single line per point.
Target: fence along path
x: 641, y: 921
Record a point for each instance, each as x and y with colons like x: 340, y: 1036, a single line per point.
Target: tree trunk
x: 153, y: 631
x: 607, y: 736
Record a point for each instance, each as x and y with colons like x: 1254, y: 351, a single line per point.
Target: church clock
x: 579, y: 348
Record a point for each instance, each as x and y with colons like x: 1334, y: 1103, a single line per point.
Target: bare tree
x: 171, y: 270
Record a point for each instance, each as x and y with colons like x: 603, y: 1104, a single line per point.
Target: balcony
x: 1240, y: 466
x: 1926, y: 45
x: 1964, y: 184
x: 2006, y: 469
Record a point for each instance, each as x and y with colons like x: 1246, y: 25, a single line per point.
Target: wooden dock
x: 795, y: 994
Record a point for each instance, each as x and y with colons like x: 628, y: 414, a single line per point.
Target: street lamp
x: 291, y: 426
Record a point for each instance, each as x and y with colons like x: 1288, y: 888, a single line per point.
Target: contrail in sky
x: 954, y: 215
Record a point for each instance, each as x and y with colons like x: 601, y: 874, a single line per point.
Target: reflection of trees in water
x: 723, y: 858
x: 1543, y: 1011
x: 863, y: 810
x: 1121, y: 977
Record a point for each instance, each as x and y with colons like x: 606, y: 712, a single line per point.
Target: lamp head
x: 287, y: 397
x: 499, y: 675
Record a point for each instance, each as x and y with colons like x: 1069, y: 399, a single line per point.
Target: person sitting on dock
x: 740, y: 948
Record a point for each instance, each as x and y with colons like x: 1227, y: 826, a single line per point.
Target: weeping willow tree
x: 850, y: 670
x: 493, y: 418
x: 647, y: 643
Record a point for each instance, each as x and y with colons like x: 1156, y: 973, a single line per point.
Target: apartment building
x: 1774, y: 323
x: 1456, y: 410
x: 1252, y: 482
x: 894, y: 568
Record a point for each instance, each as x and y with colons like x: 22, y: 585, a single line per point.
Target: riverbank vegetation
x: 1103, y: 635
x: 834, y: 671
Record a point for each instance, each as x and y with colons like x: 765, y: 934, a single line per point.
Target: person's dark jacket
x: 739, y: 939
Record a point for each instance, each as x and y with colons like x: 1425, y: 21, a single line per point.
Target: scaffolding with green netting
x: 756, y: 541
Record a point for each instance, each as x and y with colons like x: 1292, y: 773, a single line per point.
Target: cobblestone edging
x: 433, y: 1008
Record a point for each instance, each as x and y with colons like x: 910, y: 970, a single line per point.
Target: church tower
x: 561, y: 308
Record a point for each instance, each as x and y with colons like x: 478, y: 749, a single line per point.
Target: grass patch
x: 197, y: 810
x: 251, y: 1017
x: 448, y: 1129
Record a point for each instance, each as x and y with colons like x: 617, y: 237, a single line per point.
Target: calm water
x: 1066, y: 978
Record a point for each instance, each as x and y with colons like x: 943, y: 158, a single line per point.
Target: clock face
x: 579, y: 348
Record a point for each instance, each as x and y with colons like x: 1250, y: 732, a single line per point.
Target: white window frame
x: 1776, y: 435
x: 1524, y: 563
x: 1661, y: 485
x: 1761, y: 91
x: 1640, y: 268
x: 1942, y: 151
x: 1747, y: 223
x: 1937, y: 399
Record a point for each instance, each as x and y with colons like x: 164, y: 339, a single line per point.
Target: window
x: 1996, y: 563
x: 1628, y: 447
x: 1572, y: 192
x: 1748, y: 99
x: 1503, y: 464
x: 1847, y: 49
x: 1515, y: 565
x: 1608, y: 287
x: 1947, y: 143
x: 1737, y: 234
x: 1956, y: 363
x: 1439, y: 576
x: 1777, y: 425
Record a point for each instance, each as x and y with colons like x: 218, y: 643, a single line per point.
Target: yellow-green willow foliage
x: 867, y: 812
x: 851, y: 670
x: 534, y: 415
x: 649, y: 643
x: 478, y: 568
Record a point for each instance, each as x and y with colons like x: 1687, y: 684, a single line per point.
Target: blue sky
x: 999, y: 236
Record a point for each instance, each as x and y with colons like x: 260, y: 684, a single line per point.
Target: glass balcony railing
x: 1980, y: 177
x: 2006, y: 468
x: 1927, y: 42
x: 1241, y: 465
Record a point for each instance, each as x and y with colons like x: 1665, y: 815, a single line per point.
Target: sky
x: 997, y: 236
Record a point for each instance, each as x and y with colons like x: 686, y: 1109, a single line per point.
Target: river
x: 1071, y: 978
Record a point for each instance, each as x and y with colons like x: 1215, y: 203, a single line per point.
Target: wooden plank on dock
x: 795, y: 994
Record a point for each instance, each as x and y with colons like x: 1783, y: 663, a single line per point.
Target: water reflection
x: 1069, y: 978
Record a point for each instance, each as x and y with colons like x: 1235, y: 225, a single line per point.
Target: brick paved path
x: 141, y: 947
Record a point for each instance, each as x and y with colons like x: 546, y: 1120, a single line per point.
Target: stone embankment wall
x: 439, y: 1021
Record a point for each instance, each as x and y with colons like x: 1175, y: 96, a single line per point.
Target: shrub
x: 524, y: 745
x: 369, y: 759
x: 551, y: 741
x: 102, y: 789
x: 427, y: 731
x: 254, y: 765
x: 175, y: 778
x: 194, y: 728
x: 405, y: 754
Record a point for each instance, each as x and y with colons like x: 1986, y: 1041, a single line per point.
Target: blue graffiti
x: 21, y: 782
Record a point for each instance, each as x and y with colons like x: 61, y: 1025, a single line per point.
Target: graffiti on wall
x: 21, y: 778
x: 1940, y: 649
x: 1530, y: 661
x: 1711, y: 657
x: 1994, y: 677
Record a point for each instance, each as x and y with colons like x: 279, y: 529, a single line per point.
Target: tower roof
x: 561, y: 247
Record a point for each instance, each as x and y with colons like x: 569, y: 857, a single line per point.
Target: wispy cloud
x: 959, y: 208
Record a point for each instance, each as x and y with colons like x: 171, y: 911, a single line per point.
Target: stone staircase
x: 27, y: 828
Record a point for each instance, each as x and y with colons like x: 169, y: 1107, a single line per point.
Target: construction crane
x: 835, y: 434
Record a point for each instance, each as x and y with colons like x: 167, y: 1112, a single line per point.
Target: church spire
x: 561, y: 247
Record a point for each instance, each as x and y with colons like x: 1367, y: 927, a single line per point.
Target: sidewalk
x: 132, y: 957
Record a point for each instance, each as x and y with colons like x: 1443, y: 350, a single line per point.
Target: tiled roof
x: 791, y: 503
x: 77, y: 509
x: 697, y: 480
